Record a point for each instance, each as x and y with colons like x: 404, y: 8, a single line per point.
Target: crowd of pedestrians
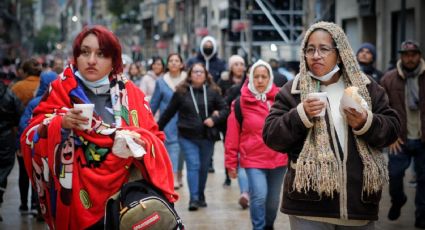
x: 321, y: 161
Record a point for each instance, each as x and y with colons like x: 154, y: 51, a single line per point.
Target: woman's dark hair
x: 184, y: 85
x: 108, y: 43
x: 333, y: 40
x: 155, y: 59
x: 179, y: 56
x: 341, y: 65
x: 32, y: 67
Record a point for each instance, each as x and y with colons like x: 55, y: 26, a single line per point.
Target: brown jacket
x: 284, y: 131
x: 395, y: 85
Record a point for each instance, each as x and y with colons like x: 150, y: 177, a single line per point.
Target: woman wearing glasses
x: 200, y: 108
x: 336, y: 170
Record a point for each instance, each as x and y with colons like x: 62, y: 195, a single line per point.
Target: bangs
x: 108, y: 44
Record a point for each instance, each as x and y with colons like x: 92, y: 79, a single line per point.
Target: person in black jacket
x: 207, y: 55
x: 200, y: 109
x: 227, y: 81
x: 366, y: 56
x: 11, y: 109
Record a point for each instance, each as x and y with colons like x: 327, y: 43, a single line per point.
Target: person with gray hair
x: 336, y: 170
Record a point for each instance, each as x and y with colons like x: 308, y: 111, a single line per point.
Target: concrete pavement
x: 223, y: 211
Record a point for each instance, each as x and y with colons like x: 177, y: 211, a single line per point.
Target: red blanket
x: 75, y: 171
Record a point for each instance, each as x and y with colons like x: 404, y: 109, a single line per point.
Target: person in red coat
x: 264, y: 167
x: 75, y: 169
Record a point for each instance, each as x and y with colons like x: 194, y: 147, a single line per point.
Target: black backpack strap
x: 112, y: 217
x: 238, y: 111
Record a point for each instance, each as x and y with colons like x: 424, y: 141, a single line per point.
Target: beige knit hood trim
x: 319, y: 166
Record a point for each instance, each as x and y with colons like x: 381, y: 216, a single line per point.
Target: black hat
x: 409, y: 45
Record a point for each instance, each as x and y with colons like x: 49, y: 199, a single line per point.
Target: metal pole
x: 249, y: 32
x: 243, y: 19
x: 272, y: 20
x: 403, y: 21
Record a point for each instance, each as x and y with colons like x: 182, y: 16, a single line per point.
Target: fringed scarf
x: 75, y: 171
x: 319, y: 166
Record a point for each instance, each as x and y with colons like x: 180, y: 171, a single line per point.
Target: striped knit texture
x: 319, y: 167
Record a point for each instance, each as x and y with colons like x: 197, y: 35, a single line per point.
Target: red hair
x: 108, y: 43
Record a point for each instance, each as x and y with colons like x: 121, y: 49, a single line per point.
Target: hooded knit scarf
x: 75, y: 171
x: 319, y: 165
x: 260, y: 96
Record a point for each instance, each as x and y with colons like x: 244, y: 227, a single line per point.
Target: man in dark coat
x: 405, y: 86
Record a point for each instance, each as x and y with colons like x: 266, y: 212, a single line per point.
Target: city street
x: 223, y: 211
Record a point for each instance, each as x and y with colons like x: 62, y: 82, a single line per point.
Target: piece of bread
x: 352, y: 92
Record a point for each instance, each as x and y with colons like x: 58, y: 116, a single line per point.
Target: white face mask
x: 327, y: 76
x: 93, y: 84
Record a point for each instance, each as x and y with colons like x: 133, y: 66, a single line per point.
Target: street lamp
x: 156, y: 37
x: 273, y: 47
x: 74, y: 18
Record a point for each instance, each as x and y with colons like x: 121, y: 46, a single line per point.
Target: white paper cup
x: 322, y: 96
x: 87, y: 112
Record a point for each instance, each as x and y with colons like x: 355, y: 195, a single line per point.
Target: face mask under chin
x: 327, y: 76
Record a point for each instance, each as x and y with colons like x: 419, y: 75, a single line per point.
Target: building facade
x: 382, y: 24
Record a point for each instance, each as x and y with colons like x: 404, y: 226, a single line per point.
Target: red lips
x: 67, y: 156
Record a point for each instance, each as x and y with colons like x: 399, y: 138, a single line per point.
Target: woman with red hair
x: 76, y: 169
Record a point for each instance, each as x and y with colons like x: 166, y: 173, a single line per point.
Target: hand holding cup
x: 79, y: 117
x: 315, y: 104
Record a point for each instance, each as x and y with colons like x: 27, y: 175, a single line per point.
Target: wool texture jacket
x: 285, y: 131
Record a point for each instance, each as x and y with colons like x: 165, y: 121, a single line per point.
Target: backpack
x: 139, y: 205
x: 238, y: 111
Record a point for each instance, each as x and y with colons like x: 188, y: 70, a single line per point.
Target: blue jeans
x: 173, y: 150
x: 264, y: 195
x: 398, y: 163
x: 197, y: 153
x: 243, y: 180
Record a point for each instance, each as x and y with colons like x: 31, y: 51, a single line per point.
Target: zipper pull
x: 142, y: 204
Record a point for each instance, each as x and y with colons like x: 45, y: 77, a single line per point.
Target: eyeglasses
x: 198, y: 71
x: 322, y: 51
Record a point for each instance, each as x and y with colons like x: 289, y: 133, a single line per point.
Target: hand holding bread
x: 352, y: 99
x: 354, y: 107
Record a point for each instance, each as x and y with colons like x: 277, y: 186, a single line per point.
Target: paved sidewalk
x: 223, y: 211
